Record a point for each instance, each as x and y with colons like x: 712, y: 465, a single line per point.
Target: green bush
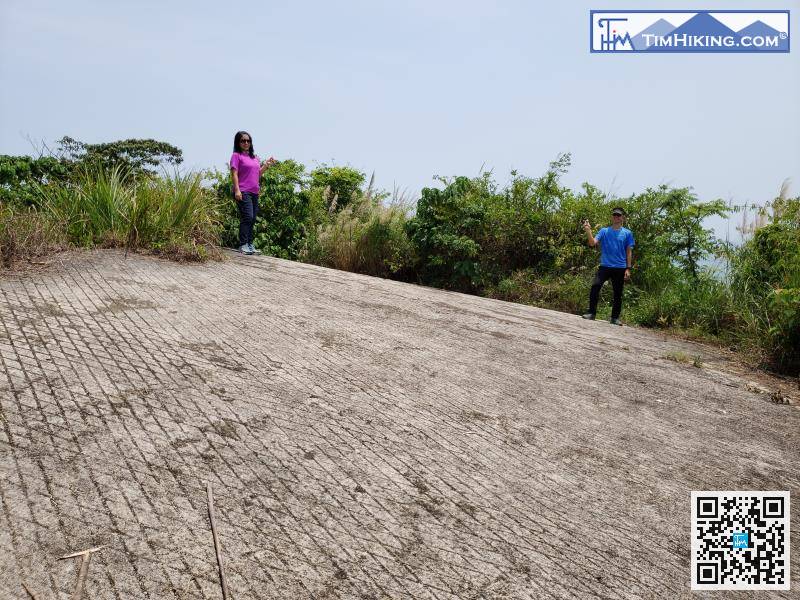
x: 765, y: 279
x: 521, y: 229
x: 282, y: 225
x: 783, y: 340
x: 20, y: 176
x: 132, y: 156
x: 343, y: 184
x: 571, y: 252
x: 445, y: 231
x: 174, y: 214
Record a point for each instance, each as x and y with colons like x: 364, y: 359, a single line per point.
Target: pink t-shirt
x: 248, y: 169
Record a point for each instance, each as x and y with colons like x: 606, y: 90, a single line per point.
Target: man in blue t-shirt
x: 616, y: 249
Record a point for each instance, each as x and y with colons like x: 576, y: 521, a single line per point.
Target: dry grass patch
x: 27, y: 235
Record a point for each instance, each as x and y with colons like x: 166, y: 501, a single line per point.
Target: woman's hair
x: 236, y: 140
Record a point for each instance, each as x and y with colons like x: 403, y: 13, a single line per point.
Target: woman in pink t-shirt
x: 246, y: 170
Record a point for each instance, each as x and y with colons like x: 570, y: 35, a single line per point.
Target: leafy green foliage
x: 571, y: 254
x: 134, y: 155
x: 703, y: 305
x: 520, y: 224
x: 173, y: 210
x: 92, y: 209
x: 565, y: 292
x: 766, y: 283
x: 343, y: 184
x: 446, y: 228
x: 683, y: 234
x: 20, y: 176
x: 283, y: 210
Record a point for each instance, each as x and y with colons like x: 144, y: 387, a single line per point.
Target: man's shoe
x: 615, y: 322
x: 253, y: 249
x: 245, y: 249
x: 589, y: 316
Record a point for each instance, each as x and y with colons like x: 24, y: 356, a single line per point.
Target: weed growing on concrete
x: 683, y: 358
x: 677, y: 356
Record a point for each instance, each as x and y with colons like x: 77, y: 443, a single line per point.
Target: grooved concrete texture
x: 365, y: 439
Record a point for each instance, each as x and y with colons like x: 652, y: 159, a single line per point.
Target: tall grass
x: 704, y: 305
x: 366, y: 237
x: 92, y: 210
x: 27, y: 234
x: 171, y: 214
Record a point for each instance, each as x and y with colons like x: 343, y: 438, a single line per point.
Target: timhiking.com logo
x: 689, y: 31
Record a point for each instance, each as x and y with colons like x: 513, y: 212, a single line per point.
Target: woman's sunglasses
x: 243, y: 141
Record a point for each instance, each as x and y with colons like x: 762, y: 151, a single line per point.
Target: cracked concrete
x: 365, y: 439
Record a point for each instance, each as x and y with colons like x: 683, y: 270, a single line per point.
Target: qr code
x: 740, y: 540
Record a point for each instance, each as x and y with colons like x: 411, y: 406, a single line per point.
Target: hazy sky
x: 408, y: 89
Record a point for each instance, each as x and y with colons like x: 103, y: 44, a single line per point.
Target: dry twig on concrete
x: 217, y: 545
x: 30, y: 593
x: 86, y: 556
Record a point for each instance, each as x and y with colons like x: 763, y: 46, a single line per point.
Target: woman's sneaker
x: 245, y: 249
x: 253, y: 249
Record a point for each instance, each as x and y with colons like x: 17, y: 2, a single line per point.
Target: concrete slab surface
x: 364, y: 439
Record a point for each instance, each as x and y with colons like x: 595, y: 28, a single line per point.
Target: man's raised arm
x: 590, y: 237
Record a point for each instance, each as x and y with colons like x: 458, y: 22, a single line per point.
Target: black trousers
x: 248, y: 211
x: 617, y: 277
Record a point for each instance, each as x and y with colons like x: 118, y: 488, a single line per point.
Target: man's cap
x: 618, y: 210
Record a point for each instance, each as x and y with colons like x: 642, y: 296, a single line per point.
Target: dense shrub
x: 521, y: 230
x: 343, y: 184
x: 21, y: 175
x: 703, y: 306
x: 283, y: 210
x: 765, y: 279
x: 446, y: 230
x: 91, y: 209
x: 174, y: 214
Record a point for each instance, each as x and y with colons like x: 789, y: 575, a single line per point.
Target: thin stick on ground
x: 86, y: 556
x: 30, y: 593
x: 217, y: 545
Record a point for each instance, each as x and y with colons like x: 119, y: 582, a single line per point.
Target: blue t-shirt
x: 613, y: 246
